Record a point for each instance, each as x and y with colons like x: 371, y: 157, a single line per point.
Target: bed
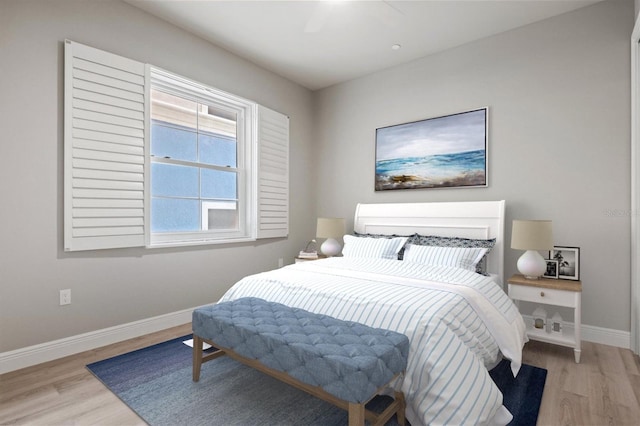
x: 447, y: 299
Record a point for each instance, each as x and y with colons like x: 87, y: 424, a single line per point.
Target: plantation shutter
x: 273, y: 174
x: 104, y: 133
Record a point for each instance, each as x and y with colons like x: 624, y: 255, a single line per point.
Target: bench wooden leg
x: 401, y: 407
x: 197, y: 357
x: 356, y: 414
x: 397, y: 407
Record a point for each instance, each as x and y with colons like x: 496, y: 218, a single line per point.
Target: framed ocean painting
x: 440, y: 152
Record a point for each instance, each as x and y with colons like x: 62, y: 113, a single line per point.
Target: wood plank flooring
x: 604, y: 389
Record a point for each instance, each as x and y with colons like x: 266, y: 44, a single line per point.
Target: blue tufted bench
x: 342, y: 362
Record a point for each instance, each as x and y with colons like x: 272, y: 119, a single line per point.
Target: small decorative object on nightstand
x: 309, y: 251
x: 300, y: 259
x: 568, y: 259
x: 539, y: 318
x: 556, y: 323
x: 555, y: 293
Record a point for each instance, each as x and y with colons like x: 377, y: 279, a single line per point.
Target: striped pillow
x: 460, y: 257
x: 400, y: 253
x: 372, y: 248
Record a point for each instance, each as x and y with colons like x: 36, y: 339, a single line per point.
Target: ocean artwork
x: 441, y: 152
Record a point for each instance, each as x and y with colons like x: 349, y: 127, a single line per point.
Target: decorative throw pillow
x: 400, y: 253
x: 460, y: 257
x: 433, y: 240
x: 373, y: 248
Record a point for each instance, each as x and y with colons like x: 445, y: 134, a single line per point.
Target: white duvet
x: 458, y: 323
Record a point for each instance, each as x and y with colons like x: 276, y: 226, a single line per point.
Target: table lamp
x: 330, y: 228
x: 531, y: 235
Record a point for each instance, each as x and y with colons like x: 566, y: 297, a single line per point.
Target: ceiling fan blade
x: 319, y: 17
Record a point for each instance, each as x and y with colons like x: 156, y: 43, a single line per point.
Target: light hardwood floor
x: 604, y: 389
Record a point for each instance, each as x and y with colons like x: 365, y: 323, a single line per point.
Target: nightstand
x: 551, y: 292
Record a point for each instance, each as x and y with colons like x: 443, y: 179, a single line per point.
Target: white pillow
x: 372, y: 248
x: 460, y: 257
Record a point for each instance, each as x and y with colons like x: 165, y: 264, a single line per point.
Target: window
x: 155, y: 159
x: 200, y: 158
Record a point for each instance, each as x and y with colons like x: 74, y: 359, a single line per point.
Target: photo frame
x: 568, y: 259
x: 552, y: 269
x: 449, y: 151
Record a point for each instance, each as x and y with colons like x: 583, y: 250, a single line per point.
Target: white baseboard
x: 48, y: 351
x: 605, y: 336
x: 37, y: 354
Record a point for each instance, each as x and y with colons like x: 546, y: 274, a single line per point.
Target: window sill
x: 165, y: 244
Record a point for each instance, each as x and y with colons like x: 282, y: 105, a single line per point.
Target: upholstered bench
x: 342, y: 362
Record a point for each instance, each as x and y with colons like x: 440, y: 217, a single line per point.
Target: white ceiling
x: 321, y: 43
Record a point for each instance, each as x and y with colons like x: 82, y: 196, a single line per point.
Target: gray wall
x: 558, y: 93
x: 112, y: 287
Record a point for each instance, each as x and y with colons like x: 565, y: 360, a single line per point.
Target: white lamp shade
x: 531, y: 235
x: 330, y: 227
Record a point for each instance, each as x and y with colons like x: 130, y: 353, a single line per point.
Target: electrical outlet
x: 280, y: 263
x: 65, y: 297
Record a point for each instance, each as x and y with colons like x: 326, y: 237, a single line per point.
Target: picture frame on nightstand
x: 568, y: 262
x: 552, y: 269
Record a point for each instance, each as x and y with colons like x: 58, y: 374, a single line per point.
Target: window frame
x: 246, y: 111
x: 107, y: 156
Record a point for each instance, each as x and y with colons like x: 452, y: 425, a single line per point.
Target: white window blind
x: 104, y: 149
x: 273, y: 174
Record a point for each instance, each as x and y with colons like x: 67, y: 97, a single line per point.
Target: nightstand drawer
x: 542, y: 295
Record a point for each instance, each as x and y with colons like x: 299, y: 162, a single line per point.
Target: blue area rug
x: 156, y: 383
x: 521, y: 395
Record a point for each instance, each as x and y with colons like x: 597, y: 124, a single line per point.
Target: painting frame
x: 448, y: 151
x: 568, y: 262
x: 551, y: 270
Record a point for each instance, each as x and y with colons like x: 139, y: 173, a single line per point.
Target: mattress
x: 458, y: 323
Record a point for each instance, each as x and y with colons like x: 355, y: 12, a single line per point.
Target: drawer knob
x: 542, y: 294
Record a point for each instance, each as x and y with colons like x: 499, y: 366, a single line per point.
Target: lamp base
x: 532, y: 265
x: 330, y: 247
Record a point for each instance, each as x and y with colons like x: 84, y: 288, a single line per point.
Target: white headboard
x: 474, y: 219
